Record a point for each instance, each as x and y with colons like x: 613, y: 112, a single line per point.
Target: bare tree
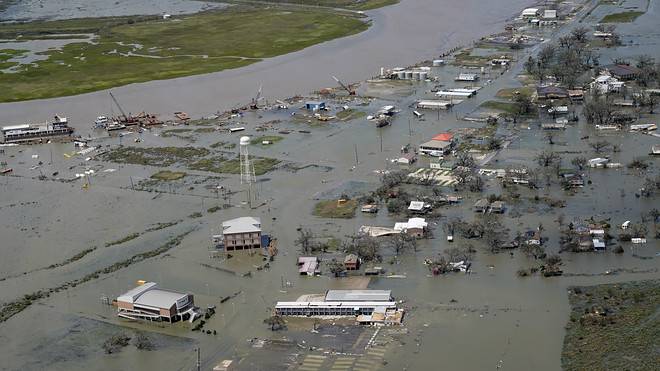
x: 550, y: 137
x: 600, y: 146
x: 547, y: 158
x: 647, y: 70
x: 305, y: 239
x: 276, y: 322
x: 579, y: 34
x: 598, y: 109
x: 579, y: 162
x: 401, y: 242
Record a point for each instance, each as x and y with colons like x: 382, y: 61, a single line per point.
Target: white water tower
x: 247, y: 168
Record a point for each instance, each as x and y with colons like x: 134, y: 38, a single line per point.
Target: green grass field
x: 333, y: 209
x: 137, y: 49
x: 623, y: 17
x: 613, y: 327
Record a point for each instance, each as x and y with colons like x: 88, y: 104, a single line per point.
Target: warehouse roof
x: 159, y: 298
x: 149, y: 295
x: 358, y: 295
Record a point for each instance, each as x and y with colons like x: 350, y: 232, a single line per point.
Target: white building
x: 549, y: 14
x: 467, y: 77
x: 148, y: 302
x: 530, y: 13
x: 605, y: 83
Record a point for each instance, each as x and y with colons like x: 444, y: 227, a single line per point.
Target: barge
x: 28, y: 132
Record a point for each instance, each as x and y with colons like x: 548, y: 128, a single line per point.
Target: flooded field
x: 78, y: 237
x: 23, y: 10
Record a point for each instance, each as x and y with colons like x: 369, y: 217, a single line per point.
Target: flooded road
x: 402, y: 34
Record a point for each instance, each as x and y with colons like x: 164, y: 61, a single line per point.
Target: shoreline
x: 79, y: 107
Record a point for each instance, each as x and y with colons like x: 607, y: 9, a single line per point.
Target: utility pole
x: 199, y: 364
x: 356, y: 156
x: 380, y: 133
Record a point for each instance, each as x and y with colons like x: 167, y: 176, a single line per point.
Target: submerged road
x: 401, y: 35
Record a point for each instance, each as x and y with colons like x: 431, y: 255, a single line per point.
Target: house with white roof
x: 242, y: 233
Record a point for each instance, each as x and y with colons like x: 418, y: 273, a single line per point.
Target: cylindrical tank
x: 415, y: 75
x: 245, y: 141
x: 423, y: 75
x: 401, y: 75
x: 438, y: 62
x: 408, y: 75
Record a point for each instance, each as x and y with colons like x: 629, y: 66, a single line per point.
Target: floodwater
x: 496, y: 319
x: 402, y: 34
x: 23, y: 10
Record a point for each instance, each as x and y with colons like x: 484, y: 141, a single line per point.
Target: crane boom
x: 117, y: 103
x: 350, y: 92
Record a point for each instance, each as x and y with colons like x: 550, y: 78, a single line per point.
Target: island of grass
x: 267, y: 139
x: 262, y: 165
x: 623, y: 17
x: 7, y: 54
x: 613, y: 327
x: 350, y: 114
x: 168, y: 175
x: 342, y: 209
x: 154, y: 156
x: 508, y: 108
x: 136, y: 49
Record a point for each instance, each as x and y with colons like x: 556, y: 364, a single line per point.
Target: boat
x: 181, y: 116
x: 100, y: 122
x: 29, y: 132
x: 115, y: 126
x: 6, y: 171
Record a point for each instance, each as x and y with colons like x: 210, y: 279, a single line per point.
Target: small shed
x: 550, y: 14
x: 481, y: 206
x: 599, y: 244
x: 497, y: 207
x: 467, y: 77
x: 315, y: 105
x: 551, y: 92
x: 351, y: 262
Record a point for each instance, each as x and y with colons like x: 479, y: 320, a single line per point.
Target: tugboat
x: 101, y: 122
x: 115, y: 126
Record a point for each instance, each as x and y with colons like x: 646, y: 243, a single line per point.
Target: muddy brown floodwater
x: 485, y: 320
